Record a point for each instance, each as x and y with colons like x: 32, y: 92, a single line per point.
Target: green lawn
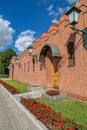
x: 70, y: 108
x: 21, y: 87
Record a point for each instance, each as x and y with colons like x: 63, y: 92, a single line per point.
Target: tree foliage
x: 5, y: 58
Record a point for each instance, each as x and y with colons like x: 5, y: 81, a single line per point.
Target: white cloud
x: 61, y: 10
x: 54, y: 21
x: 24, y: 40
x: 50, y: 8
x: 58, y: 12
x: 52, y: 13
x: 6, y: 33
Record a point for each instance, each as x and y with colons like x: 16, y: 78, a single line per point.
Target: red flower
x: 10, y: 88
x: 62, y: 123
x: 53, y: 92
x: 48, y: 116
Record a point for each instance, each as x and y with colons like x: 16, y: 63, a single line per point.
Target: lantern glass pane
x: 30, y: 50
x: 71, y: 17
x: 75, y: 16
x: 16, y: 61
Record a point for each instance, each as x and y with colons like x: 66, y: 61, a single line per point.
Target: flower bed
x: 54, y: 95
x: 53, y: 92
x: 51, y: 119
x: 10, y: 88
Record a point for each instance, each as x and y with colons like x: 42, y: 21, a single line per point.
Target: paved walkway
x: 11, y: 117
x: 28, y: 94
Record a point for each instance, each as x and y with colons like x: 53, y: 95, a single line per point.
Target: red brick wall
x: 72, y: 80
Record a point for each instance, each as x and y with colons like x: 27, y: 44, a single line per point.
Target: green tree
x: 1, y: 55
x: 5, y: 60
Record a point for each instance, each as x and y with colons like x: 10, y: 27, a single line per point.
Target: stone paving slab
x: 12, y: 117
x: 32, y: 94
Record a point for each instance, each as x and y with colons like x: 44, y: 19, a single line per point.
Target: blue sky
x: 23, y: 21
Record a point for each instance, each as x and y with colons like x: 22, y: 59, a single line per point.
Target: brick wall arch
x: 51, y: 55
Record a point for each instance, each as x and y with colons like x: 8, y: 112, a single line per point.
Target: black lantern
x: 73, y: 15
x: 30, y: 48
x: 16, y: 60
